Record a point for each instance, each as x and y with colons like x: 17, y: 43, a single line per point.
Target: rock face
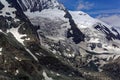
x: 42, y: 40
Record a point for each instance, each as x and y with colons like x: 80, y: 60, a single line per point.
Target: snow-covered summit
x: 38, y: 5
x: 82, y: 19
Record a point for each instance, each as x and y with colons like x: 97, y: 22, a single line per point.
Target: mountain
x: 38, y: 5
x: 42, y: 40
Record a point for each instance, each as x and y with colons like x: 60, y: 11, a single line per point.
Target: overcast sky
x: 105, y: 10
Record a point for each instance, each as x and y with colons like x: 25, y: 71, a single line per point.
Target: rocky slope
x: 42, y: 40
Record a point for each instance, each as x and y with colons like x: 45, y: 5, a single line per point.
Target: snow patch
x: 16, y: 34
x: 5, y: 71
x: 46, y: 76
x: 54, y: 51
x: 27, y: 38
x: 9, y: 10
x: 19, y: 59
x: 0, y: 51
x: 69, y: 55
x: 16, y: 72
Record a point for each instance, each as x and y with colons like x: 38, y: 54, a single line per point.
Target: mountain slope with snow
x: 41, y: 39
x: 85, y: 34
x: 100, y: 39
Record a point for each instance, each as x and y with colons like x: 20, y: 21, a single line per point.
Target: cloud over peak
x: 82, y: 5
x: 113, y: 20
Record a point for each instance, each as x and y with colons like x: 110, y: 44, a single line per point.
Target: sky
x: 105, y: 10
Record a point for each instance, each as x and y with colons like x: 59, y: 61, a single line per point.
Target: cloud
x: 84, y: 5
x: 109, y: 11
x: 113, y: 20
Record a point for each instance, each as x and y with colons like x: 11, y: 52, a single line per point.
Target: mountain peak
x: 38, y: 5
